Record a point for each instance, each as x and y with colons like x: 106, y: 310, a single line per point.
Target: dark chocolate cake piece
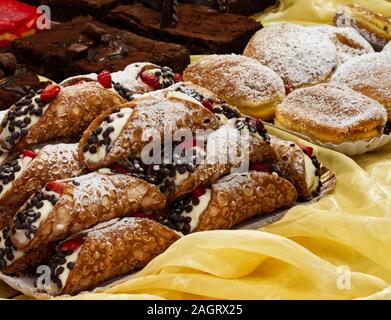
x: 201, y: 29
x: 15, y: 80
x: 84, y: 45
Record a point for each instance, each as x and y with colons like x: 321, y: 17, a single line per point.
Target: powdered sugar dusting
x: 387, y: 47
x: 236, y: 77
x: 300, y: 55
x: 332, y: 106
x: 348, y: 41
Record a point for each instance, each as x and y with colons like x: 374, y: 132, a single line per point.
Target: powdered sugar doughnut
x: 254, y: 88
x: 348, y: 41
x: 300, y: 55
x: 370, y: 75
x: 332, y: 113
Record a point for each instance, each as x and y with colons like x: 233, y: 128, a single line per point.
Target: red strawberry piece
x: 55, y: 187
x: 207, y: 104
x: 143, y: 215
x: 198, y: 192
x: 177, y: 77
x: 29, y: 153
x: 72, y: 245
x: 118, y: 168
x: 150, y: 79
x: 104, y: 78
x: 50, y: 92
x: 259, y: 166
x: 307, y: 150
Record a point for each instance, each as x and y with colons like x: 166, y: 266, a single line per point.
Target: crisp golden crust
x: 236, y: 198
x: 252, y: 87
x: 332, y: 113
x: 299, y: 55
x: 124, y: 246
x: 369, y: 75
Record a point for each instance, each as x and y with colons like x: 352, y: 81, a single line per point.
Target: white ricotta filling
x: 16, y: 253
x: 199, y: 209
x: 311, y: 180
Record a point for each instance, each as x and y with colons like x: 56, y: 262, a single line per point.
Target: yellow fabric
x: 337, y: 248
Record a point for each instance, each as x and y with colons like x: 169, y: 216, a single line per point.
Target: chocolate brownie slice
x: 84, y: 45
x: 201, y: 29
x: 15, y: 80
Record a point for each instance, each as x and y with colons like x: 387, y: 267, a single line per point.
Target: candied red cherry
x: 50, y: 92
x: 29, y: 153
x: 259, y: 166
x: 256, y: 123
x: 55, y: 187
x: 198, y: 192
x: 307, y: 150
x: 104, y: 78
x: 142, y: 215
x: 118, y: 168
x: 207, y: 104
x: 177, y: 77
x: 72, y: 245
x: 150, y: 79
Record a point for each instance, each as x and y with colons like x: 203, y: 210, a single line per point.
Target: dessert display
x: 17, y: 20
x: 348, y: 41
x: 201, y: 29
x: 370, y: 75
x: 301, y: 56
x: 84, y: 46
x: 374, y: 27
x: 332, y: 113
x: 243, y: 82
x: 15, y: 80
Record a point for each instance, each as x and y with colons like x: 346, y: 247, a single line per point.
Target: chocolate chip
x: 92, y: 149
x: 23, y: 132
x: 70, y: 265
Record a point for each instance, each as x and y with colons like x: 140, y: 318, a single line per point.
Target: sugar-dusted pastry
x: 348, y: 41
x: 105, y: 251
x: 14, y: 261
x: 198, y: 162
x: 298, y: 165
x: 387, y: 47
x: 374, y: 27
x: 65, y: 207
x: 243, y: 82
x: 54, y: 113
x: 301, y: 56
x: 123, y: 131
x: 332, y: 113
x: 229, y: 201
x: 28, y: 172
x: 369, y: 75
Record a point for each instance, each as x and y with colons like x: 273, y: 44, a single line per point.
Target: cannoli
x: 54, y: 113
x: 66, y: 207
x: 14, y: 261
x: 299, y: 165
x: 229, y: 201
x: 123, y: 131
x: 29, y: 171
x: 203, y: 160
x: 102, y: 253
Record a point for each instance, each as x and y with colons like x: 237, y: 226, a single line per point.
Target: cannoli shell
x: 161, y: 114
x: 238, y: 197
x: 52, y: 162
x: 97, y: 198
x: 124, y: 246
x: 69, y: 114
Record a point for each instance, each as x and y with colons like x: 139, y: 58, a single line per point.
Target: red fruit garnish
x: 150, y: 79
x: 55, y: 187
x: 118, y: 168
x: 198, y: 192
x: 72, y: 244
x: 143, y: 215
x: 29, y: 153
x: 207, y: 104
x: 288, y: 89
x: 259, y: 166
x: 188, y: 144
x: 307, y: 150
x: 104, y: 78
x: 256, y: 123
x: 50, y: 92
x: 177, y: 77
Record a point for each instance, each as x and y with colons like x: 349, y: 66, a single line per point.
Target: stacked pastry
x: 81, y: 184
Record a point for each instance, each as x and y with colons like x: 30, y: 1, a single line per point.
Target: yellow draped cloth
x: 337, y: 248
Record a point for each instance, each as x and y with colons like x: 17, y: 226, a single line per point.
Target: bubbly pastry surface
x: 300, y: 55
x: 332, y: 113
